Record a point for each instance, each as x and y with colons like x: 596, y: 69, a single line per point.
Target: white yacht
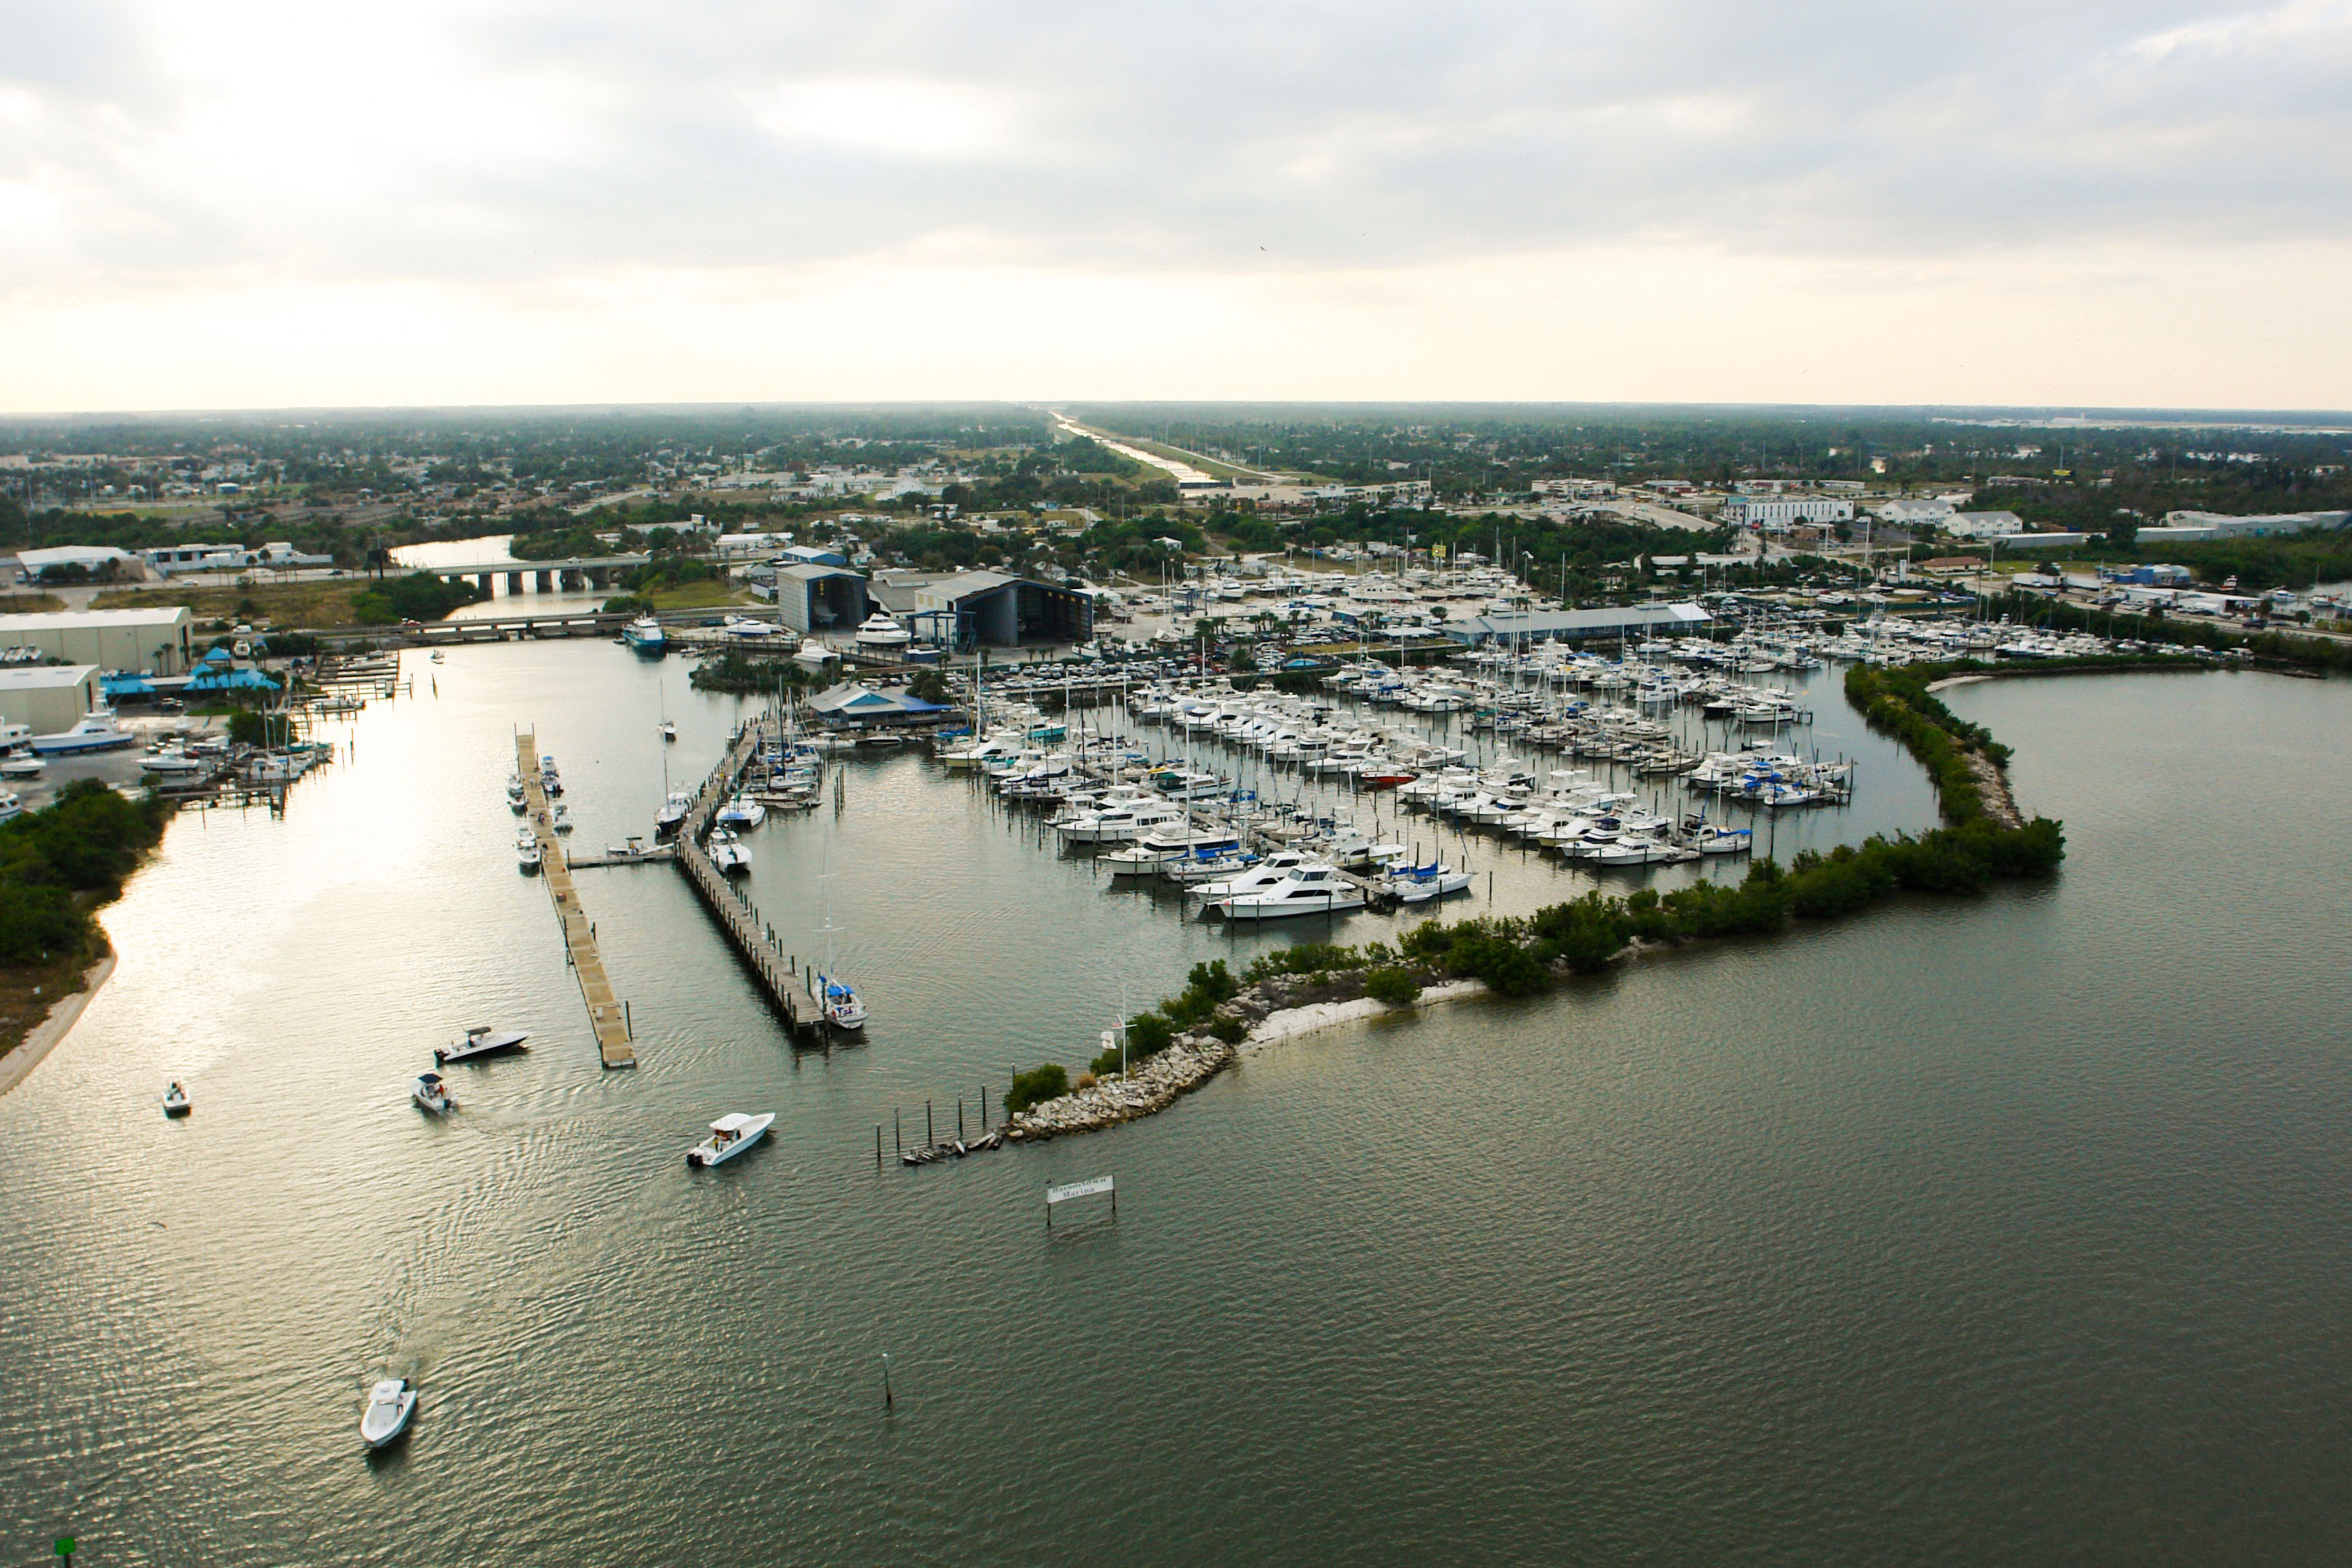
x: 1273, y: 869
x: 729, y: 855
x: 1306, y: 890
x: 390, y: 1405
x: 22, y: 765
x: 431, y: 1093
x: 879, y: 631
x: 171, y: 762
x: 1136, y: 860
x: 742, y: 811
x: 96, y: 732
x: 730, y: 1137
x: 1120, y: 822
x: 482, y: 1040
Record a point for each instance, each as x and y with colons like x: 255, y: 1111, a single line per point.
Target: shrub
x: 1231, y: 1031
x: 1048, y: 1082
x: 1394, y: 985
x: 1148, y: 1034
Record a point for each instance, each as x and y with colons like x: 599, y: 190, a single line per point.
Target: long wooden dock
x: 606, y: 1015
x: 754, y: 942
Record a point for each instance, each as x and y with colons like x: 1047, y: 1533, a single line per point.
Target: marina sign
x: 1087, y: 1188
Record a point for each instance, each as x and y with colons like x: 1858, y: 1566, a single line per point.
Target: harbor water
x: 2004, y: 1228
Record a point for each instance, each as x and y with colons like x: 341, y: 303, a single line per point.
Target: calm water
x: 2008, y: 1229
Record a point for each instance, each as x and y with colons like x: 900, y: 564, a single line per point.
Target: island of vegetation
x: 57, y: 866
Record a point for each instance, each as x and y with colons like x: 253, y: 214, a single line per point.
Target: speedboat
x: 1713, y: 839
x: 172, y: 763
x: 645, y: 635
x: 728, y: 854
x: 843, y: 1010
x: 516, y: 799
x: 526, y: 856
x: 22, y: 765
x: 11, y: 806
x: 730, y: 1137
x: 563, y: 822
x: 96, y: 732
x: 878, y: 631
x: 431, y: 1093
x: 175, y: 1101
x: 482, y: 1040
x: 742, y: 811
x: 673, y: 812
x: 390, y: 1405
x: 1419, y: 884
x: 439, y: 657
x: 1133, y: 860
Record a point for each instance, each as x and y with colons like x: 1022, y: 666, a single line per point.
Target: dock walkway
x: 754, y: 942
x: 606, y: 1015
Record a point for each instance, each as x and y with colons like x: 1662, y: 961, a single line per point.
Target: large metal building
x: 993, y: 610
x: 51, y: 697
x: 821, y: 598
x: 151, y: 642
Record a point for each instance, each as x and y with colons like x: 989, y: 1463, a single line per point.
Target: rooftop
x: 88, y: 620
x: 44, y: 677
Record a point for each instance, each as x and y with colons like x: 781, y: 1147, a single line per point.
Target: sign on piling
x: 1087, y: 1188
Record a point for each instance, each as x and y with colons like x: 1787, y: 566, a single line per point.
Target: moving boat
x: 645, y: 634
x: 730, y: 1137
x: 175, y: 1100
x: 431, y: 1093
x: 481, y: 1041
x: 729, y: 855
x: 96, y: 732
x: 390, y: 1405
x: 878, y: 631
x: 673, y: 812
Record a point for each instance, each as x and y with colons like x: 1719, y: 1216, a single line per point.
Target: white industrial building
x: 1782, y: 511
x: 51, y: 698
x: 150, y: 641
x: 92, y: 559
x: 1984, y: 525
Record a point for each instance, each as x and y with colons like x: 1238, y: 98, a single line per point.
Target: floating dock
x: 606, y: 1015
x: 754, y: 942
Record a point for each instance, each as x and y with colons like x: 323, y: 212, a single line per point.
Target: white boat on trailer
x: 730, y: 1137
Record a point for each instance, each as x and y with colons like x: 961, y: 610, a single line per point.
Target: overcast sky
x: 240, y: 204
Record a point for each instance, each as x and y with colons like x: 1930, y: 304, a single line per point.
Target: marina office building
x: 967, y: 610
x: 150, y: 641
x: 51, y: 698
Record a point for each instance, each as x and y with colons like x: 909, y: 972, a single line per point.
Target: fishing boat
x: 97, y: 731
x: 483, y: 1040
x: 517, y: 800
x: 730, y: 1137
x: 673, y: 812
x: 175, y: 1100
x: 728, y: 854
x: 645, y: 636
x: 390, y: 1405
x: 431, y: 1093
x: 527, y: 854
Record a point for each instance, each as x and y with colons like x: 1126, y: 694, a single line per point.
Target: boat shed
x: 1608, y: 624
x: 152, y: 642
x: 853, y: 703
x: 51, y: 698
x: 811, y: 599
x: 997, y: 611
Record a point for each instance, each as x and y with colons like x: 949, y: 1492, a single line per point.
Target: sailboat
x: 837, y: 996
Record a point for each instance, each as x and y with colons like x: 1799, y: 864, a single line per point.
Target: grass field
x: 287, y: 606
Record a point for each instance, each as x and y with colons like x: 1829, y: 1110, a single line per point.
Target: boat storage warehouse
x: 1005, y: 611
x: 811, y: 598
x: 150, y: 641
x: 51, y: 697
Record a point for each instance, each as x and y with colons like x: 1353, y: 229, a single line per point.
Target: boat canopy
x: 733, y: 1122
x: 428, y: 1078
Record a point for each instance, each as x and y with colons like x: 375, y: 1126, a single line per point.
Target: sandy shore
x: 1292, y: 1022
x: 18, y: 1064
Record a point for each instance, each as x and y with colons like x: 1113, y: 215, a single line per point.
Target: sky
x: 250, y: 203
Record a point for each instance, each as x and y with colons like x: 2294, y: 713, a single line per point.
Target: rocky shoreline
x: 1273, y: 1012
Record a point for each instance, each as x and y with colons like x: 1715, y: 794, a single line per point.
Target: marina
x: 608, y: 1016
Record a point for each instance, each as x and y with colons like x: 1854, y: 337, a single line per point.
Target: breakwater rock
x: 1155, y: 1085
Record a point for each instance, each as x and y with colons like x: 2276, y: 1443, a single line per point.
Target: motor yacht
x: 878, y: 631
x: 527, y: 854
x: 1257, y: 878
x: 97, y: 731
x: 1307, y: 890
x: 390, y: 1405
x: 431, y: 1093
x: 482, y: 1040
x: 728, y: 854
x: 175, y: 1100
x: 1134, y: 861
x: 730, y: 1137
x: 645, y: 636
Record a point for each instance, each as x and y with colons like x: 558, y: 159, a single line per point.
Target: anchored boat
x: 483, y: 1040
x: 730, y: 1137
